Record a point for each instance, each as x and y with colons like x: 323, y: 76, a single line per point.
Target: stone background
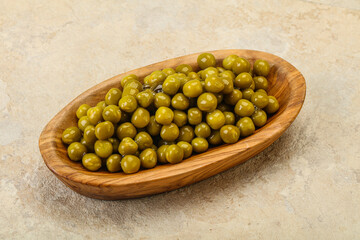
x: 304, y: 186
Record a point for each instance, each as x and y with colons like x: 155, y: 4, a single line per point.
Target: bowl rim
x: 272, y: 130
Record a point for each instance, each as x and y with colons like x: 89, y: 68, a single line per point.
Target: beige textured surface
x: 305, y: 186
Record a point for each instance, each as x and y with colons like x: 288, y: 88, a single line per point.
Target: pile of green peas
x: 173, y: 114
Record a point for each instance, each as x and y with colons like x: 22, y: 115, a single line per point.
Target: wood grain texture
x: 286, y: 83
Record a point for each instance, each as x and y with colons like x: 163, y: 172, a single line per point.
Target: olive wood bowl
x: 286, y: 83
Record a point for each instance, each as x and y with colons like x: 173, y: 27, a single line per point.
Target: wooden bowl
x: 285, y: 83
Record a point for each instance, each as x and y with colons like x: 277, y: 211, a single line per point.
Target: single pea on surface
x: 172, y: 114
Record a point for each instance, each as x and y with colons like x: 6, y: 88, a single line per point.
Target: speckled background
x: 304, y: 186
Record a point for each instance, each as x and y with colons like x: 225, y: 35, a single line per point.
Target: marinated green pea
x: 147, y: 80
x: 260, y: 99
x: 252, y: 85
x: 186, y: 147
x: 199, y: 145
x: 70, y: 135
x: 112, y: 114
x: 200, y: 73
x: 156, y: 79
x: 76, y: 151
x: 128, y: 104
x: 229, y: 118
x: 171, y: 85
x: 113, y: 163
x: 228, y: 85
x: 91, y: 162
x: 246, y: 126
x: 261, y: 83
x: 127, y: 78
x: 162, y: 100
x: 168, y: 71
x: 83, y: 123
x: 240, y: 65
x: 153, y: 128
x: 180, y: 102
x: 148, y: 158
x: 186, y: 133
x: 210, y: 71
x: 161, y: 153
x: 207, y: 102
x: 261, y: 90
x: 259, y: 118
x: 145, y: 98
x: 194, y: 116
x: 169, y: 132
x: 206, y: 60
x: 140, y: 118
x: 82, y: 110
x: 126, y: 130
x: 113, y: 96
x: 214, y: 84
x: 158, y: 76
x: 89, y: 134
x: 115, y: 142
x: 143, y: 140
x: 129, y: 91
x: 227, y: 74
x: 244, y: 108
x: 89, y: 145
x: 130, y: 164
x: 261, y: 67
x: 104, y: 130
x: 193, y: 75
x: 164, y: 115
x: 127, y: 146
x: 180, y: 118
x: 202, y: 130
x: 103, y: 148
x: 164, y: 142
x: 243, y: 80
x: 229, y: 134
x: 134, y: 84
x: 215, y: 138
x: 154, y: 147
x: 272, y: 106
x: 223, y: 107
x: 247, y: 93
x: 192, y: 88
x: 233, y: 97
x: 174, y: 154
x: 101, y: 104
x: 184, y: 68
x: 221, y: 69
x: 95, y: 115
x: 229, y: 61
x: 183, y: 79
x: 219, y: 98
x: 203, y: 85
x: 215, y: 119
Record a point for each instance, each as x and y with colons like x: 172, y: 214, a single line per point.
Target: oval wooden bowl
x: 285, y: 83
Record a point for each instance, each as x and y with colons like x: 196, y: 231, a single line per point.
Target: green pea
x: 70, y: 135
x: 113, y: 163
x: 91, y: 162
